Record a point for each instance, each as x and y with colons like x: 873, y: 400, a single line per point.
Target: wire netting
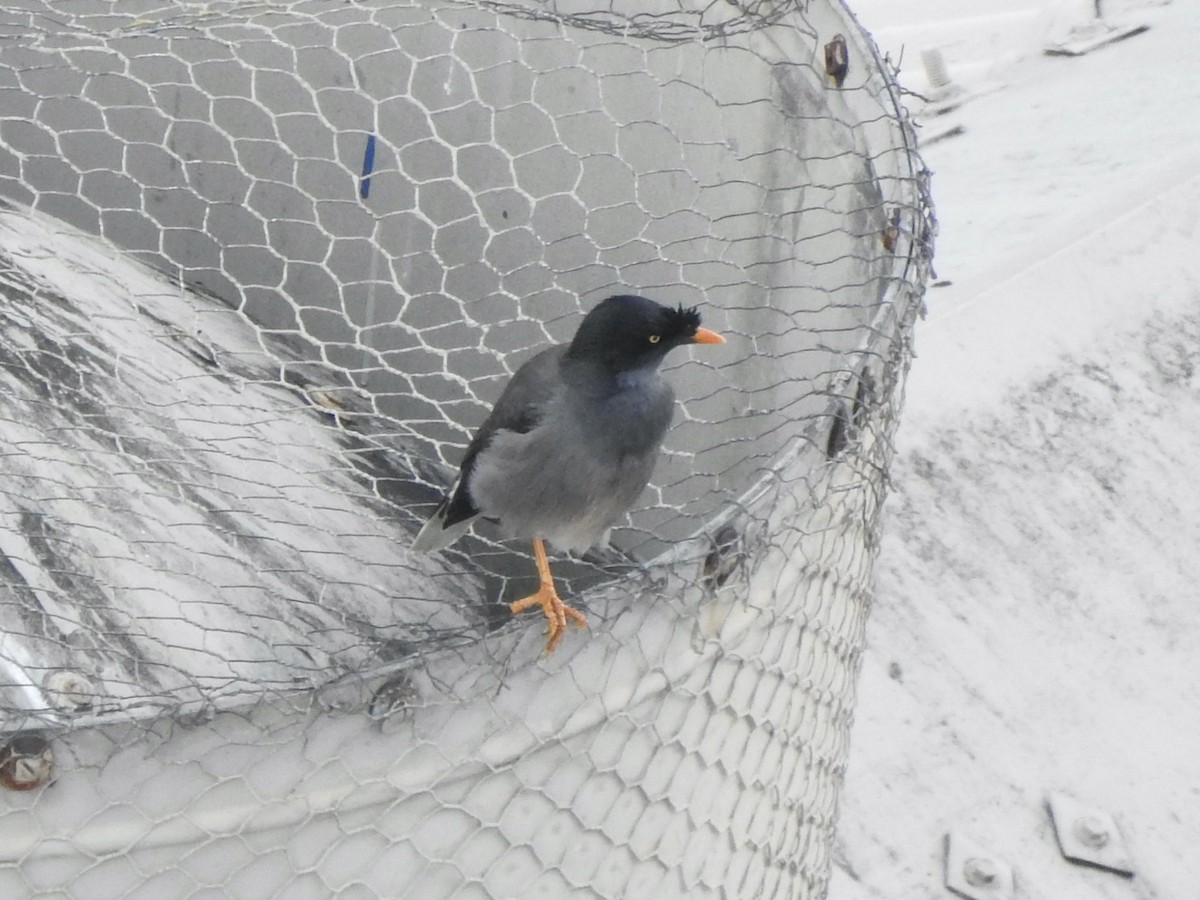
x: 264, y: 267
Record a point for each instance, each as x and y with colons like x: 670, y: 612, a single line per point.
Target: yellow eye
x: 655, y: 338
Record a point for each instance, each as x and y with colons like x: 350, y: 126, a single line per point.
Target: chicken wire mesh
x: 264, y: 268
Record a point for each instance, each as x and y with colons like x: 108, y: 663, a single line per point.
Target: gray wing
x: 519, y: 410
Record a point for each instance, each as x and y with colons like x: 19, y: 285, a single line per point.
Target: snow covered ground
x: 1036, y: 616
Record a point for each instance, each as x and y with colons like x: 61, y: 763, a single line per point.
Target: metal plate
x: 974, y: 872
x: 1089, y: 835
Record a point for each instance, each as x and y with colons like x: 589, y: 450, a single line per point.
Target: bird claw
x: 556, y: 613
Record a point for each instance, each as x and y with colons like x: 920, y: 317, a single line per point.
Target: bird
x: 572, y: 441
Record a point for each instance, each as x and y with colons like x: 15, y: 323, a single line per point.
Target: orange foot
x: 546, y: 597
x: 556, y: 613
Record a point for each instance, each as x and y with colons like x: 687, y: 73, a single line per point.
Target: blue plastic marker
x: 364, y: 183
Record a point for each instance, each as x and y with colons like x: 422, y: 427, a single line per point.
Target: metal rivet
x: 26, y: 762
x: 837, y: 59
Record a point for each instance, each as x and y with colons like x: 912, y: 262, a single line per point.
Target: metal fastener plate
x: 1087, y: 834
x: 976, y: 873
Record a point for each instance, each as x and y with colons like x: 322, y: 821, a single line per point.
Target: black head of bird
x: 627, y: 332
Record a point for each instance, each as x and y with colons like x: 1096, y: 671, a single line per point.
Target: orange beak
x: 707, y: 336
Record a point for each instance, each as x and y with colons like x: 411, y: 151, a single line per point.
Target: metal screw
x: 981, y: 872
x: 935, y: 68
x: 26, y: 762
x: 1092, y: 831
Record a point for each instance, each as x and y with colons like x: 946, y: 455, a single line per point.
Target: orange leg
x: 546, y: 597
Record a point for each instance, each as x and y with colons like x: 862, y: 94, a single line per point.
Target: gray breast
x: 570, y: 478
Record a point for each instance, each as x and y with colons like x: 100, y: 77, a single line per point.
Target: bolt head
x: 980, y: 871
x: 976, y: 873
x: 1092, y: 831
